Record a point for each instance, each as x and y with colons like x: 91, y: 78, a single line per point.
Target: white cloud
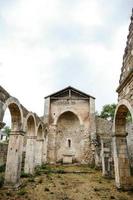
x: 88, y: 13
x: 29, y: 55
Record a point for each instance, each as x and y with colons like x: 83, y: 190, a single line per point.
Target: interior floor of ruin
x: 66, y: 183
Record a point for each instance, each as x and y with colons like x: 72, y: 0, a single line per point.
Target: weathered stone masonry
x: 24, y: 124
x: 125, y: 105
x: 70, y: 115
x: 67, y: 133
x: 70, y: 132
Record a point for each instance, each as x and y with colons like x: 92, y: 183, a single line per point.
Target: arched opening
x: 40, y: 132
x: 5, y: 131
x: 13, y: 122
x: 68, y: 130
x: 30, y: 126
x: 121, y: 147
x: 39, y: 146
x: 4, y: 139
x: 13, y: 169
x: 30, y: 144
x: 123, y: 115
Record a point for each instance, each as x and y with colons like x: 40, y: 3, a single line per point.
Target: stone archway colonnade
x: 23, y: 124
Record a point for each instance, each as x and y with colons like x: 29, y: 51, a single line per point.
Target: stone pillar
x: 14, y: 158
x: 121, y: 163
x: 106, y: 156
x: 46, y: 110
x: 45, y: 144
x: 93, y: 132
x: 39, y: 152
x: 30, y: 155
x: 52, y: 144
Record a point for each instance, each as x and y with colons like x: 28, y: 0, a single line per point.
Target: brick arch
x: 65, y: 111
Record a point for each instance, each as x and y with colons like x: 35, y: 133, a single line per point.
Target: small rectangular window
x: 69, y: 143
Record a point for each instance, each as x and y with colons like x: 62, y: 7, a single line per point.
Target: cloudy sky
x: 46, y: 45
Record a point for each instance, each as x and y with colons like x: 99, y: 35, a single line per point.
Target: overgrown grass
x: 25, y: 175
x: 47, y: 169
x: 22, y: 192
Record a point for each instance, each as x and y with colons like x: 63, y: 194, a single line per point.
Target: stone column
x: 30, y: 155
x: 52, y: 144
x: 45, y: 144
x: 105, y: 155
x: 93, y: 132
x: 121, y: 163
x: 14, y: 158
x: 39, y: 152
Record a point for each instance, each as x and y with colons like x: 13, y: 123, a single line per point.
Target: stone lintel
x: 18, y: 132
x: 31, y: 137
x: 120, y: 135
x: 40, y: 140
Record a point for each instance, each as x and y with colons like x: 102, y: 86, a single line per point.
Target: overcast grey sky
x: 46, y: 45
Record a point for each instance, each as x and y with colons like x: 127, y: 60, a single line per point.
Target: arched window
x: 69, y: 143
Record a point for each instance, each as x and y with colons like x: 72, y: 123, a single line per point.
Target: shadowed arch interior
x: 68, y: 137
x: 16, y: 121
x: 121, y: 120
x: 68, y: 120
x: 40, y: 132
x: 30, y: 126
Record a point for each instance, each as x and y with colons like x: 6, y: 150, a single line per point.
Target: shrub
x: 2, y: 168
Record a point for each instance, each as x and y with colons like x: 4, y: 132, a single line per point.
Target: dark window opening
x: 69, y: 143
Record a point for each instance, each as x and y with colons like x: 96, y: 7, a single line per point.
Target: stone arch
x: 65, y: 111
x: 15, y: 146
x: 121, y: 111
x: 16, y: 113
x: 121, y: 157
x: 68, y: 137
x: 40, y: 131
x: 30, y: 127
x: 40, y: 145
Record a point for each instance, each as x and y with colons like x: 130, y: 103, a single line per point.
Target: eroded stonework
x: 70, y: 115
x: 122, y: 143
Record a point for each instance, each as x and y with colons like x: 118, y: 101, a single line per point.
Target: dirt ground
x: 79, y: 183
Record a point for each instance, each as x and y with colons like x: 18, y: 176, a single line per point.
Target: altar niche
x: 68, y: 138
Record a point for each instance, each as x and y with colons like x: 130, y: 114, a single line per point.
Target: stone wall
x: 130, y: 142
x: 70, y: 117
x: 69, y: 139
x: 127, y: 92
x: 3, y: 153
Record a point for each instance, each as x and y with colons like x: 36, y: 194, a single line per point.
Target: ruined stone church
x: 69, y: 132
x: 70, y: 115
